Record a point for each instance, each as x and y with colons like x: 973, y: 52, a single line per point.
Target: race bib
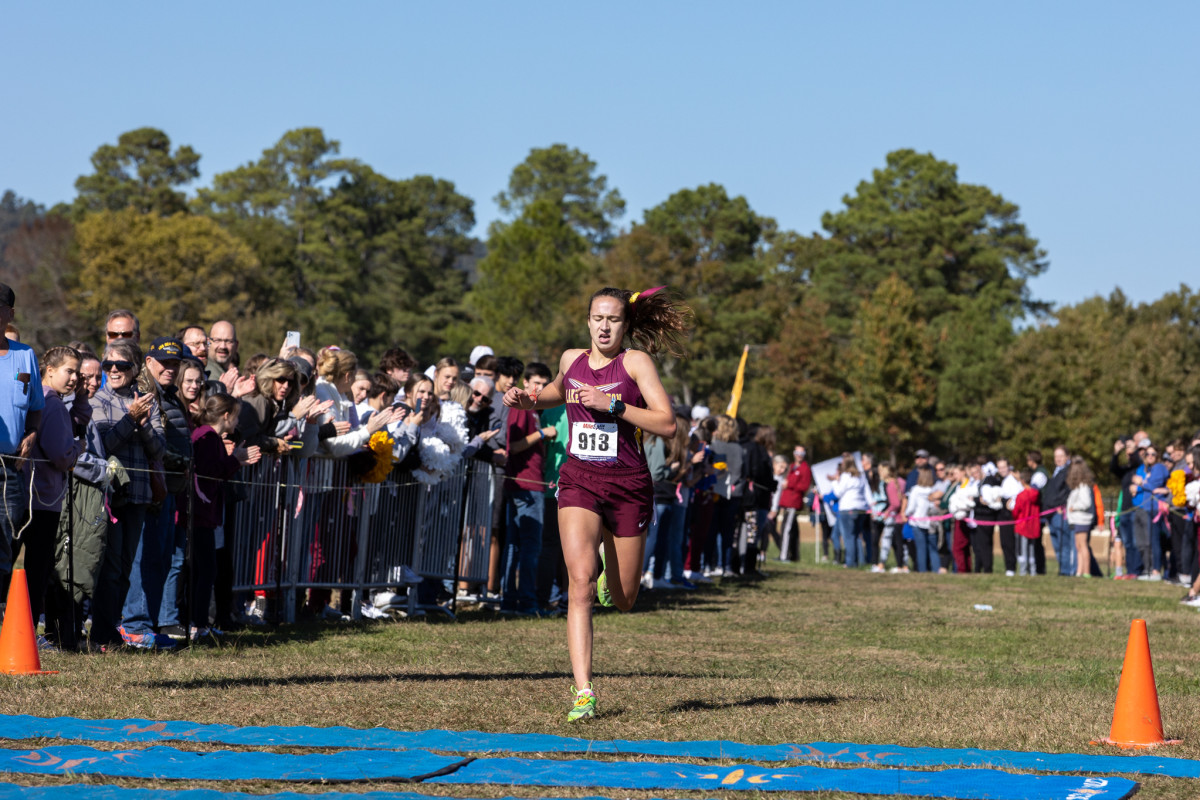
x: 594, y: 441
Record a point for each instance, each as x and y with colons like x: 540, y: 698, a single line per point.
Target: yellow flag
x: 737, y: 384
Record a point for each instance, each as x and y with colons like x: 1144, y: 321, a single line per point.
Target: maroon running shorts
x: 622, y: 496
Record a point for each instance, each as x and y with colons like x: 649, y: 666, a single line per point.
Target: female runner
x: 605, y: 494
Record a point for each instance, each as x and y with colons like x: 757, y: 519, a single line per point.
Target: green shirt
x: 556, y: 448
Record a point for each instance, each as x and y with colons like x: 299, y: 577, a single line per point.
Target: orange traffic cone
x: 1136, y: 719
x: 18, y: 638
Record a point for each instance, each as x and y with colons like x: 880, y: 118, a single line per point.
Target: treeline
x: 907, y: 321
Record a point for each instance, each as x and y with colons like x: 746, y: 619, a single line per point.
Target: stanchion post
x: 71, y: 555
x: 189, y: 561
x: 280, y: 517
x: 462, y: 522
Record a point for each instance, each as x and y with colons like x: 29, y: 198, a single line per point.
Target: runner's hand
x: 593, y: 398
x: 518, y: 398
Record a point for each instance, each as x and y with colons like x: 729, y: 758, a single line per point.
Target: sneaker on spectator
x: 660, y: 583
x: 1008, y: 573
x: 878, y: 568
x: 648, y: 580
x: 199, y: 634
x: 146, y: 641
x: 176, y: 632
x: 333, y: 615
x: 727, y: 573
x: 45, y: 645
x: 683, y: 583
x: 371, y: 612
x: 696, y: 577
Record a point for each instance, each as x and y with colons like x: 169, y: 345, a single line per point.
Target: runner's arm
x: 657, y: 417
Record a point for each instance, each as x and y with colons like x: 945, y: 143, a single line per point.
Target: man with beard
x: 223, y: 354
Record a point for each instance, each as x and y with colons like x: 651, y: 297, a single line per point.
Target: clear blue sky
x: 1084, y: 114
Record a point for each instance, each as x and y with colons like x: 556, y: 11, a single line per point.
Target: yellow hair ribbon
x: 633, y: 297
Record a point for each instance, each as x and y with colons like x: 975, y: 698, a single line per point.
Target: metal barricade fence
x: 302, y: 524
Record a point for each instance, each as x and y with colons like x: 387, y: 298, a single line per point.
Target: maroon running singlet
x: 605, y: 471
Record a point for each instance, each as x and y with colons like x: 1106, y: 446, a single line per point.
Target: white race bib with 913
x: 594, y: 441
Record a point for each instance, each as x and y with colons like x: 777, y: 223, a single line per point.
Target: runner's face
x: 606, y: 323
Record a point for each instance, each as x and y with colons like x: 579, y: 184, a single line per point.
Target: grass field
x: 810, y: 653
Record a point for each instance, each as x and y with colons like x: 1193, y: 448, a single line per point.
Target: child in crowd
x: 1081, y: 513
x: 54, y: 453
x: 216, y: 460
x: 918, y: 509
x: 1026, y: 510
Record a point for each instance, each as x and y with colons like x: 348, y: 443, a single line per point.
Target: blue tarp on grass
x: 21, y: 726
x: 164, y: 763
x: 969, y: 784
x: 168, y: 763
x: 9, y: 791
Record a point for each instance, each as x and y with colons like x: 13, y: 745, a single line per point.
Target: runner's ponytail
x: 658, y: 322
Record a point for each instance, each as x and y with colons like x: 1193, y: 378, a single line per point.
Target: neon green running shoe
x: 584, y: 706
x: 602, y: 592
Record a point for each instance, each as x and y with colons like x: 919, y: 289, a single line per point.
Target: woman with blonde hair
x: 1081, y: 513
x: 336, y: 369
x: 729, y: 489
x: 275, y: 417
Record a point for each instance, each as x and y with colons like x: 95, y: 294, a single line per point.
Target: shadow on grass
x: 752, y: 702
x: 415, y: 677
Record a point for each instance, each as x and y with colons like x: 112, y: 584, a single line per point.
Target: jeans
x: 124, y: 535
x: 1064, y: 543
x: 1026, y: 556
x: 650, y: 559
x: 522, y: 548
x: 852, y: 525
x: 148, y: 573
x: 668, y: 556
x: 551, y: 581
x: 927, y: 554
x: 168, y: 610
x: 14, y: 496
x: 1133, y: 556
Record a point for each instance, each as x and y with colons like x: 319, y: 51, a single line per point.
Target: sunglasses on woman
x: 121, y: 366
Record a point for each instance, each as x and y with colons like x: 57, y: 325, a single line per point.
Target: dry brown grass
x: 810, y: 654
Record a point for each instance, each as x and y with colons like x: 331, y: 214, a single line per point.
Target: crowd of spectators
x: 154, y: 440
x: 948, y: 517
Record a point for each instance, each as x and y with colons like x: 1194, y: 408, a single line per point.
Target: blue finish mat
x: 21, y: 726
x: 167, y: 763
x: 9, y: 791
x: 968, y: 784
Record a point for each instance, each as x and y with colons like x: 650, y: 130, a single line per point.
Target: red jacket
x: 1026, y: 507
x: 799, y: 479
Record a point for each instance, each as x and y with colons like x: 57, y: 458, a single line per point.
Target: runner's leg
x: 624, y: 556
x: 580, y: 533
